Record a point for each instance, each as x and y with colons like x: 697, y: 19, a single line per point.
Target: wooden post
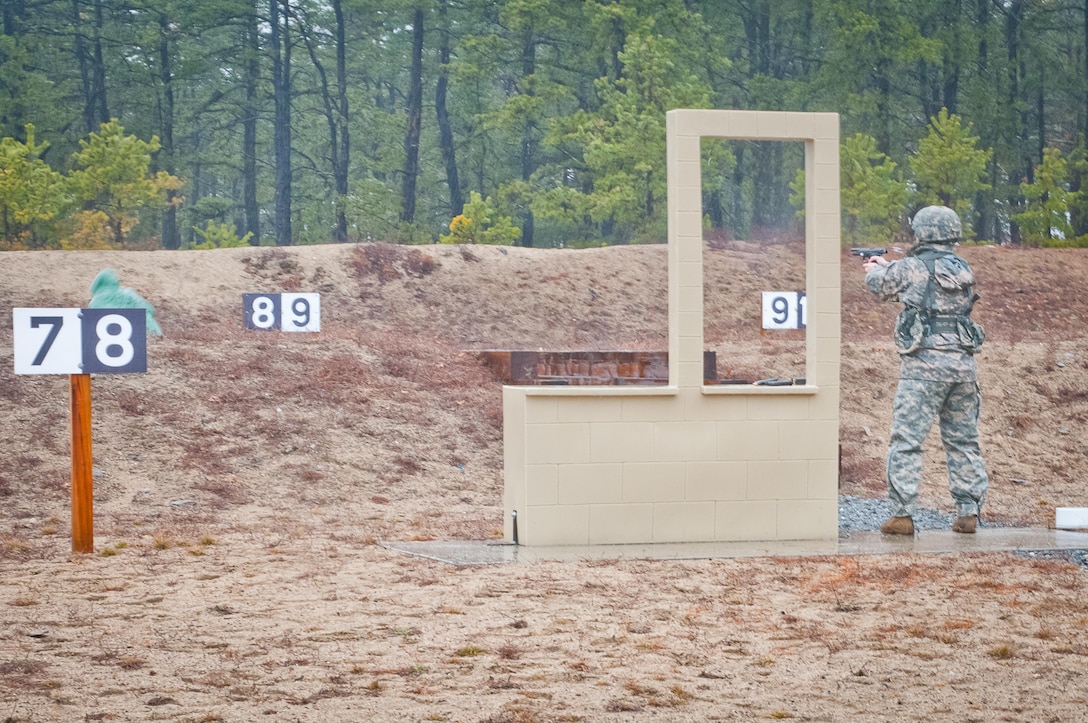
x: 82, y: 476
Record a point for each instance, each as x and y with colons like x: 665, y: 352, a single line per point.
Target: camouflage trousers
x: 956, y: 405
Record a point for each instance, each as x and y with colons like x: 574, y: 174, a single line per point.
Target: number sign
x: 286, y: 312
x: 80, y: 341
x: 784, y: 310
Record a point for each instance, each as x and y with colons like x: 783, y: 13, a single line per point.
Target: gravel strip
x: 858, y: 514
x: 1077, y: 557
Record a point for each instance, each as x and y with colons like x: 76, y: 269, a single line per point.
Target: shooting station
x: 692, y: 461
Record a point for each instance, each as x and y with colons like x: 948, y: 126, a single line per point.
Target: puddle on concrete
x: 990, y: 539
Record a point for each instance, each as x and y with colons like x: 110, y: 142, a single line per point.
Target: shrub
x: 481, y: 223
x: 220, y: 236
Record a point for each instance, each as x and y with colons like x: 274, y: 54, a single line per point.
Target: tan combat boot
x: 898, y: 526
x: 965, y: 524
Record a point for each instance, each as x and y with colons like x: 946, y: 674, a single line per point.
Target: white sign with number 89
x: 286, y: 312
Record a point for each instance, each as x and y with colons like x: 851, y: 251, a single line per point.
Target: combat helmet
x: 936, y: 224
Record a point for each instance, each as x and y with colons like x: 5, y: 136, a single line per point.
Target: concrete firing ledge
x: 988, y: 539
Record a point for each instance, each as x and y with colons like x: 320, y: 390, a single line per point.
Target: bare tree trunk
x: 10, y: 116
x: 1014, y: 16
x: 619, y: 41
x: 335, y: 117
x: 281, y: 90
x: 415, y: 115
x: 92, y: 71
x: 1084, y: 128
x: 445, y: 134
x: 79, y: 49
x: 170, y: 237
x: 251, y: 72
x: 342, y: 156
x: 98, y: 70
x: 13, y: 10
x: 1040, y: 112
x: 883, y: 105
x: 950, y: 92
x: 528, y: 134
x: 987, y: 224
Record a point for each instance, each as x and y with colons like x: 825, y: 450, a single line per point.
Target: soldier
x: 938, y: 375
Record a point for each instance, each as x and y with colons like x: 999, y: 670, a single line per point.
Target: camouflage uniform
x: 938, y: 374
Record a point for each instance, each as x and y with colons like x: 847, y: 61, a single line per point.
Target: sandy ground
x: 242, y: 486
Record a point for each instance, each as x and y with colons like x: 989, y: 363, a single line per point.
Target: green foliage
x: 562, y: 101
x: 411, y: 234
x: 565, y: 205
x: 209, y: 208
x: 481, y: 223
x: 112, y: 181
x: 623, y: 143
x: 719, y: 165
x: 872, y: 46
x: 1078, y: 183
x: 872, y: 195
x: 948, y: 168
x: 27, y: 92
x: 32, y: 194
x: 220, y: 236
x: 89, y: 230
x: 113, y: 176
x: 797, y: 193
x: 1045, y: 219
x: 372, y: 210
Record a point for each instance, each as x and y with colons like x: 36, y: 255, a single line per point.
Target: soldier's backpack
x: 926, y: 321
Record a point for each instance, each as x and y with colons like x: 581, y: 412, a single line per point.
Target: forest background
x: 162, y: 123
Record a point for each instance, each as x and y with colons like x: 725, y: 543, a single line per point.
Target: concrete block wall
x: 587, y: 367
x: 690, y: 462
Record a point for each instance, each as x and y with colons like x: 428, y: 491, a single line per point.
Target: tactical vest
x: 941, y: 318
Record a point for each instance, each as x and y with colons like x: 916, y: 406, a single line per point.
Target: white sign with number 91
x: 784, y: 310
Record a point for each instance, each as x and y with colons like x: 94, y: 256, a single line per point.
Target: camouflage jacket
x: 939, y: 351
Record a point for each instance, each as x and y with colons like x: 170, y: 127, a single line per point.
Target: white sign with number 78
x: 80, y: 341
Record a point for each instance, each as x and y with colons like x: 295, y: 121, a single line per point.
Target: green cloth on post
x: 107, y: 293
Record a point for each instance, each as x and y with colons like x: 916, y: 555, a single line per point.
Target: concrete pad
x: 987, y: 539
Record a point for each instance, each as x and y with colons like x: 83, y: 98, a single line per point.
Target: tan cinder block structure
x: 690, y: 462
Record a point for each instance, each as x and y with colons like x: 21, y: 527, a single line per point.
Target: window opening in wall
x: 754, y: 278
